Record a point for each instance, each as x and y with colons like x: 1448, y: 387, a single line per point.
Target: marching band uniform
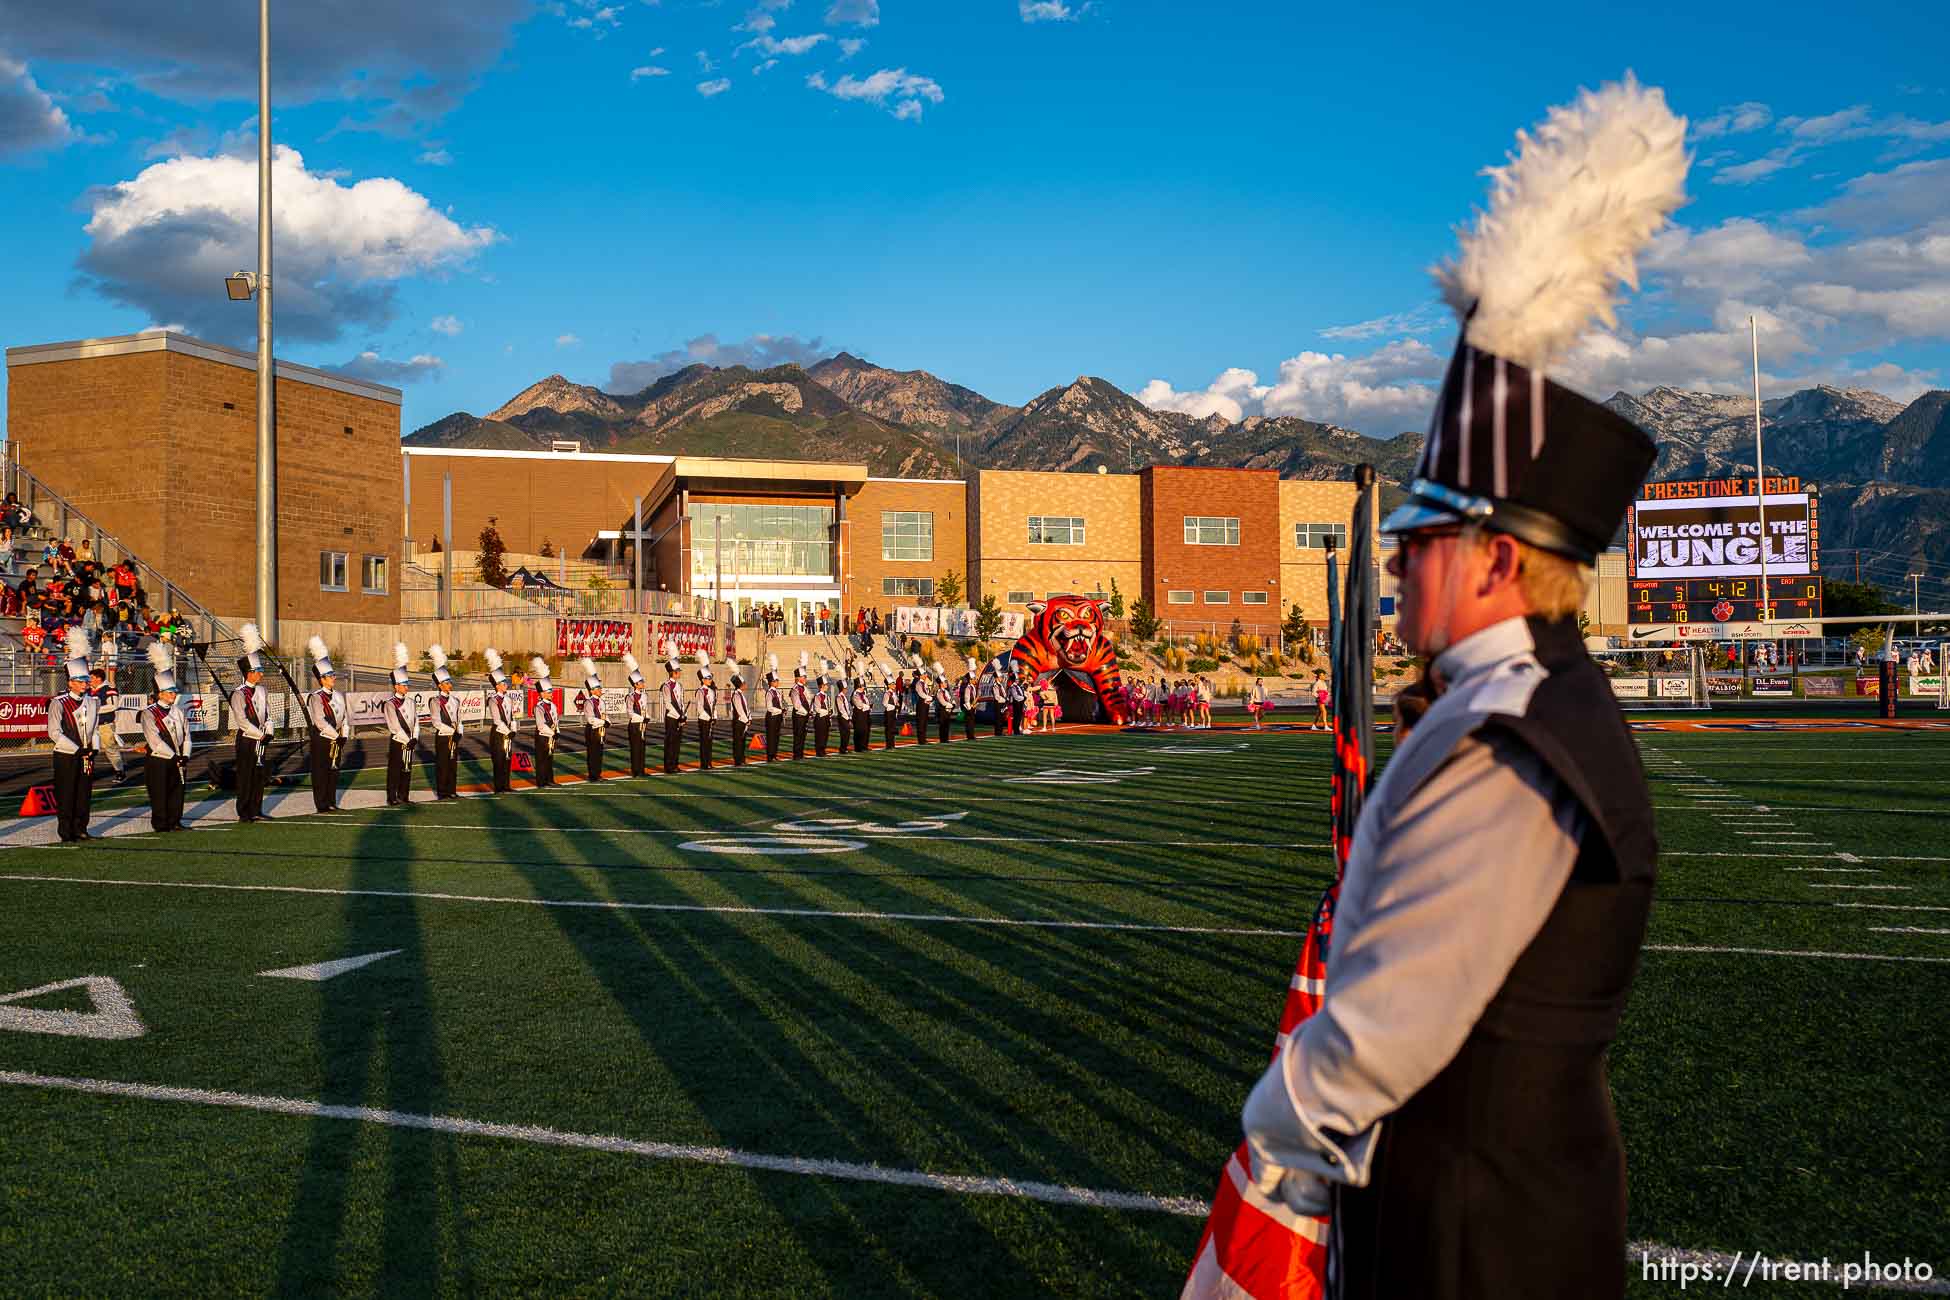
x: 1018, y: 702
x: 403, y: 734
x: 673, y: 701
x: 250, y: 718
x: 920, y: 696
x: 707, y: 711
x: 548, y: 720
x: 107, y: 701
x: 166, y: 733
x: 969, y: 696
x: 445, y: 716
x: 890, y: 709
x: 72, y: 717
x: 801, y: 709
x: 822, y: 711
x: 944, y: 702
x: 501, y: 724
x: 999, y: 700
x: 774, y: 710
x: 843, y: 710
x: 594, y: 725
x: 329, y: 720
x: 861, y: 706
x: 741, y: 714
x: 637, y: 704
x: 1450, y: 1093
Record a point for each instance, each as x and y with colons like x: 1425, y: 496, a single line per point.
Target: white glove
x: 1279, y: 1147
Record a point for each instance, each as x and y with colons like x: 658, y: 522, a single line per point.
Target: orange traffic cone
x: 757, y: 745
x: 39, y: 802
x: 906, y: 729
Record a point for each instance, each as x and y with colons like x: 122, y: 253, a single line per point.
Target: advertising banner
x: 1723, y: 686
x: 202, y: 709
x: 1674, y: 688
x: 23, y: 715
x: 1721, y: 537
x: 1925, y: 684
x: 1773, y: 686
x: 1870, y: 686
x: 1632, y: 688
x: 1821, y: 686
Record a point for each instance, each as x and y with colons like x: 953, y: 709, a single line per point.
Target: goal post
x: 1656, y: 677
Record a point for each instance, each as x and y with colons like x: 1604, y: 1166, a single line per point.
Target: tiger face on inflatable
x: 1067, y: 634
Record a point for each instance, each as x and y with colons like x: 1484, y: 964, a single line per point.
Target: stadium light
x: 1915, y: 592
x: 241, y: 287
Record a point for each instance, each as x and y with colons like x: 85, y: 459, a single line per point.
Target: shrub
x: 1144, y: 620
x: 1202, y: 665
x: 487, y: 559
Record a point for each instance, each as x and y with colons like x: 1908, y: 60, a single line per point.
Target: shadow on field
x: 378, y: 1048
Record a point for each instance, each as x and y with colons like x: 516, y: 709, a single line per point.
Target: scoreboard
x: 1722, y: 600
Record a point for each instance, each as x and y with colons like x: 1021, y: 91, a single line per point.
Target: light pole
x: 1915, y: 592
x: 1760, y: 479
x: 241, y: 287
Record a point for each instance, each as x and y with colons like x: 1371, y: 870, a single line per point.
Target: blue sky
x: 1223, y: 206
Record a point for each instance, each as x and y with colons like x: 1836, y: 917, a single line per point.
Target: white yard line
x: 1794, y: 952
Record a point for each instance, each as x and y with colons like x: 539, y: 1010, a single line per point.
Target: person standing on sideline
x: 774, y: 708
x: 1018, y: 699
x: 595, y: 727
x: 673, y: 702
x: 822, y: 708
x: 106, y: 703
x: 637, y: 705
x: 446, y: 729
x: 944, y: 704
x: 1257, y: 703
x: 402, y: 732
x: 843, y: 707
x: 741, y: 711
x: 862, y: 704
x: 801, y: 705
x: 326, y: 707
x: 892, y: 693
x: 1447, y: 1104
x: 998, y: 697
x: 72, y: 718
x: 921, y: 697
x: 250, y: 718
x: 501, y: 715
x: 166, y: 736
x: 1321, y: 721
x: 548, y: 721
x: 706, y: 702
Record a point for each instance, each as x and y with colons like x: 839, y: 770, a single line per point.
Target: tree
x: 947, y: 589
x: 1294, y: 630
x: 1584, y: 623
x: 547, y: 551
x: 1840, y: 599
x: 487, y: 557
x: 1144, y: 620
x: 1116, y: 606
x: 988, y: 617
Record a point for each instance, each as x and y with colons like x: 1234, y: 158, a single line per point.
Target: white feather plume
x: 401, y: 655
x: 629, y: 661
x: 588, y: 668
x: 493, y: 658
x: 317, y: 647
x: 437, y: 653
x: 805, y: 657
x: 772, y: 662
x: 940, y: 672
x: 77, y: 642
x: 539, y: 668
x: 731, y: 663
x: 703, y: 659
x: 252, y: 638
x: 161, y: 657
x: 670, y: 647
x: 1568, y: 217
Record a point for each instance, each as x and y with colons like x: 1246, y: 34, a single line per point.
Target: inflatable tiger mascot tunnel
x: 1067, y: 637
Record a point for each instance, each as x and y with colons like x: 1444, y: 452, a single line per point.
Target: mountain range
x: 1883, y: 466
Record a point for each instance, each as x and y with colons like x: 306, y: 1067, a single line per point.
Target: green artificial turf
x: 1786, y: 1104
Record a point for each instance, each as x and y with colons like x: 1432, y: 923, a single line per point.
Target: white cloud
x: 757, y: 21
x: 1418, y: 320
x: 648, y: 70
x: 437, y: 156
x: 1738, y: 119
x: 766, y: 66
x: 161, y: 241
x: 1383, y: 393
x: 1908, y: 197
x: 595, y: 16
x: 567, y: 341
x: 371, y: 366
x: 1049, y: 11
x: 759, y: 352
x: 894, y: 89
x: 704, y: 63
x: 851, y: 46
x: 29, y: 120
x: 861, y: 13
x: 708, y: 89
x: 448, y: 325
x: 790, y: 45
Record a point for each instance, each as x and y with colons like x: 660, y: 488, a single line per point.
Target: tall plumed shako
x: 163, y: 660
x: 538, y: 667
x: 771, y: 670
x: 703, y: 666
x: 78, y: 652
x: 438, y: 653
x: 1508, y: 449
x: 636, y: 673
x: 940, y: 673
x: 401, y: 656
x: 495, y: 674
x: 591, y: 679
x: 252, y: 660
x: 805, y: 657
x: 731, y: 667
x: 672, y: 664
x: 321, y: 659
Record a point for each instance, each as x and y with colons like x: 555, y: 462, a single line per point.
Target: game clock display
x: 1722, y: 600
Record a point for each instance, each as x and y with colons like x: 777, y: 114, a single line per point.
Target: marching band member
x: 998, y: 696
x: 944, y: 702
x: 72, y: 717
x: 862, y: 706
x: 501, y: 715
x: 166, y: 733
x: 921, y: 697
x: 594, y: 725
x: 706, y: 702
x: 673, y: 702
x: 774, y: 708
x: 801, y: 706
x: 445, y: 716
x: 329, y: 722
x: 843, y: 707
x: 548, y: 720
x: 1018, y: 692
x: 402, y: 731
x: 741, y: 711
x: 637, y: 705
x: 968, y: 696
x: 250, y: 718
x: 822, y: 709
x: 891, y: 695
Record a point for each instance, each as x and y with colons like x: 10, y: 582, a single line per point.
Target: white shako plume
x: 437, y: 653
x: 493, y: 658
x: 538, y: 668
x: 588, y: 668
x: 77, y: 640
x: 252, y: 638
x: 629, y: 662
x: 161, y: 657
x: 1568, y: 217
x: 401, y: 654
x: 317, y: 647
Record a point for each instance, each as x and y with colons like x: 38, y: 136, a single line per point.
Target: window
x: 907, y: 535
x: 1313, y: 537
x: 1218, y: 597
x: 331, y: 570
x: 1052, y: 595
x: 1055, y: 530
x: 1211, y: 530
x: 762, y: 540
x: 1020, y: 597
x: 1252, y: 598
x: 1178, y: 598
x: 916, y: 588
x: 372, y: 574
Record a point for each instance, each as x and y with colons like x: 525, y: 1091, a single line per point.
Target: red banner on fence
x: 597, y: 638
x: 23, y: 715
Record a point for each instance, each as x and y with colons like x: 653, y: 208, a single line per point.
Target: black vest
x: 1505, y: 1176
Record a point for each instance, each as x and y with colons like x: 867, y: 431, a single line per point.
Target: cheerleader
x: 1202, y: 700
x: 1257, y: 703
